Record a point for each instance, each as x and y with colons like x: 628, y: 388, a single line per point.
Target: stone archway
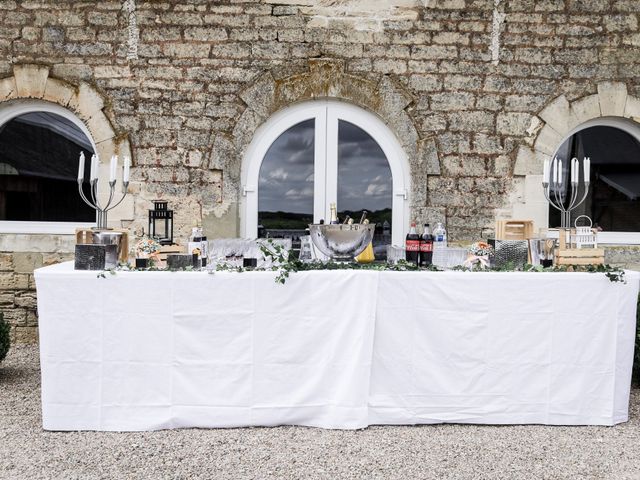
x: 325, y: 78
x: 34, y: 82
x: 556, y: 122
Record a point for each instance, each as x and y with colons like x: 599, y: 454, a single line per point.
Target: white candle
x: 560, y: 173
x: 545, y: 171
x: 576, y: 165
x: 125, y: 173
x: 555, y: 170
x: 81, y: 167
x: 94, y: 167
x: 587, y: 169
x: 114, y: 166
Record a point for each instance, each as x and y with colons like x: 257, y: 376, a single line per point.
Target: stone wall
x: 17, y: 286
x: 462, y: 83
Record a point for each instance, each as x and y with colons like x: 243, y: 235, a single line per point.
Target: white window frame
x: 633, y: 129
x: 14, y: 108
x: 326, y: 114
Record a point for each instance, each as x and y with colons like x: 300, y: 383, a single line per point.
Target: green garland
x: 285, y: 263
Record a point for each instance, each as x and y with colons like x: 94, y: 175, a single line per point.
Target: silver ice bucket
x: 109, y: 237
x: 341, y: 242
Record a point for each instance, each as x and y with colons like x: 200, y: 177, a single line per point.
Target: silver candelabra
x: 102, y: 210
x: 561, y: 196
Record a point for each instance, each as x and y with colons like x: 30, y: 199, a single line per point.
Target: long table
x: 332, y: 349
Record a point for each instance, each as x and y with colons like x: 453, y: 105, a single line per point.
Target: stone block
x: 15, y: 316
x: 58, y: 92
x: 472, y: 121
x: 548, y: 140
x: 428, y: 156
x: 612, y: 97
x: 425, y: 83
x: 525, y: 160
x: 586, y: 108
x: 87, y: 102
x: 8, y: 88
x: 26, y: 262
x: 534, y: 127
x: 100, y: 127
x: 222, y: 151
x: 452, y: 101
x: 632, y: 108
x: 24, y: 334
x: 513, y: 123
x: 260, y: 95
x: 6, y: 262
x: 30, y: 80
x: 36, y: 243
x: 7, y: 298
x: 7, y: 281
x: 187, y: 50
x: 26, y: 300
x: 559, y: 116
x: 193, y: 158
x: 434, y: 52
x: 205, y: 34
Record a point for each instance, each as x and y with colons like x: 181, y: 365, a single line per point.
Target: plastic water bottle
x: 439, y: 236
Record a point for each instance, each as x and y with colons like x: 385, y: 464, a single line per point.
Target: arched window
x: 316, y: 153
x: 613, y: 145
x: 40, y: 144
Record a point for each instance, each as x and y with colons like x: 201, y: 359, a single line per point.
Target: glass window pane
x: 364, y: 182
x: 285, y: 187
x: 38, y: 169
x: 613, y: 200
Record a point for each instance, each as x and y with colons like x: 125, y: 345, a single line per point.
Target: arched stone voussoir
x: 30, y: 80
x: 88, y: 102
x: 60, y: 92
x: 34, y: 82
x: 8, y: 89
x: 260, y: 96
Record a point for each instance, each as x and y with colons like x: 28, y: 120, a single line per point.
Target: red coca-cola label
x: 426, y: 247
x: 412, y: 246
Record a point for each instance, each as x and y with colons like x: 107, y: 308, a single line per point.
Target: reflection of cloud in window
x: 364, y: 176
x: 278, y: 174
x: 295, y: 194
x: 376, y: 189
x: 287, y: 171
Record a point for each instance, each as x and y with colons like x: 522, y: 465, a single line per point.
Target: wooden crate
x: 514, y: 229
x: 167, y: 249
x: 582, y: 256
x: 84, y: 236
x: 576, y: 256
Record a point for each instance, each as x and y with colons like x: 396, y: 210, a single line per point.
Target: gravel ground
x: 441, y: 451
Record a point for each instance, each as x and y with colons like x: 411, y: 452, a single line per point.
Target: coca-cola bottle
x: 412, y: 245
x: 426, y: 247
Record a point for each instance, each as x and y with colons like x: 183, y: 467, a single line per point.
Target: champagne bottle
x: 363, y: 217
x: 334, y: 214
x: 346, y: 220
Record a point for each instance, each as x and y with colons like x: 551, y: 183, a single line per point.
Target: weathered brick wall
x: 476, y: 72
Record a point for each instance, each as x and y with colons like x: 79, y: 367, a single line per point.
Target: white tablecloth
x: 333, y: 349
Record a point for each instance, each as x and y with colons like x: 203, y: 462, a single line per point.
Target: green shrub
x: 5, y: 338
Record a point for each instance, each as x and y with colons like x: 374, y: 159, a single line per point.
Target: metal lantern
x: 161, y: 223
